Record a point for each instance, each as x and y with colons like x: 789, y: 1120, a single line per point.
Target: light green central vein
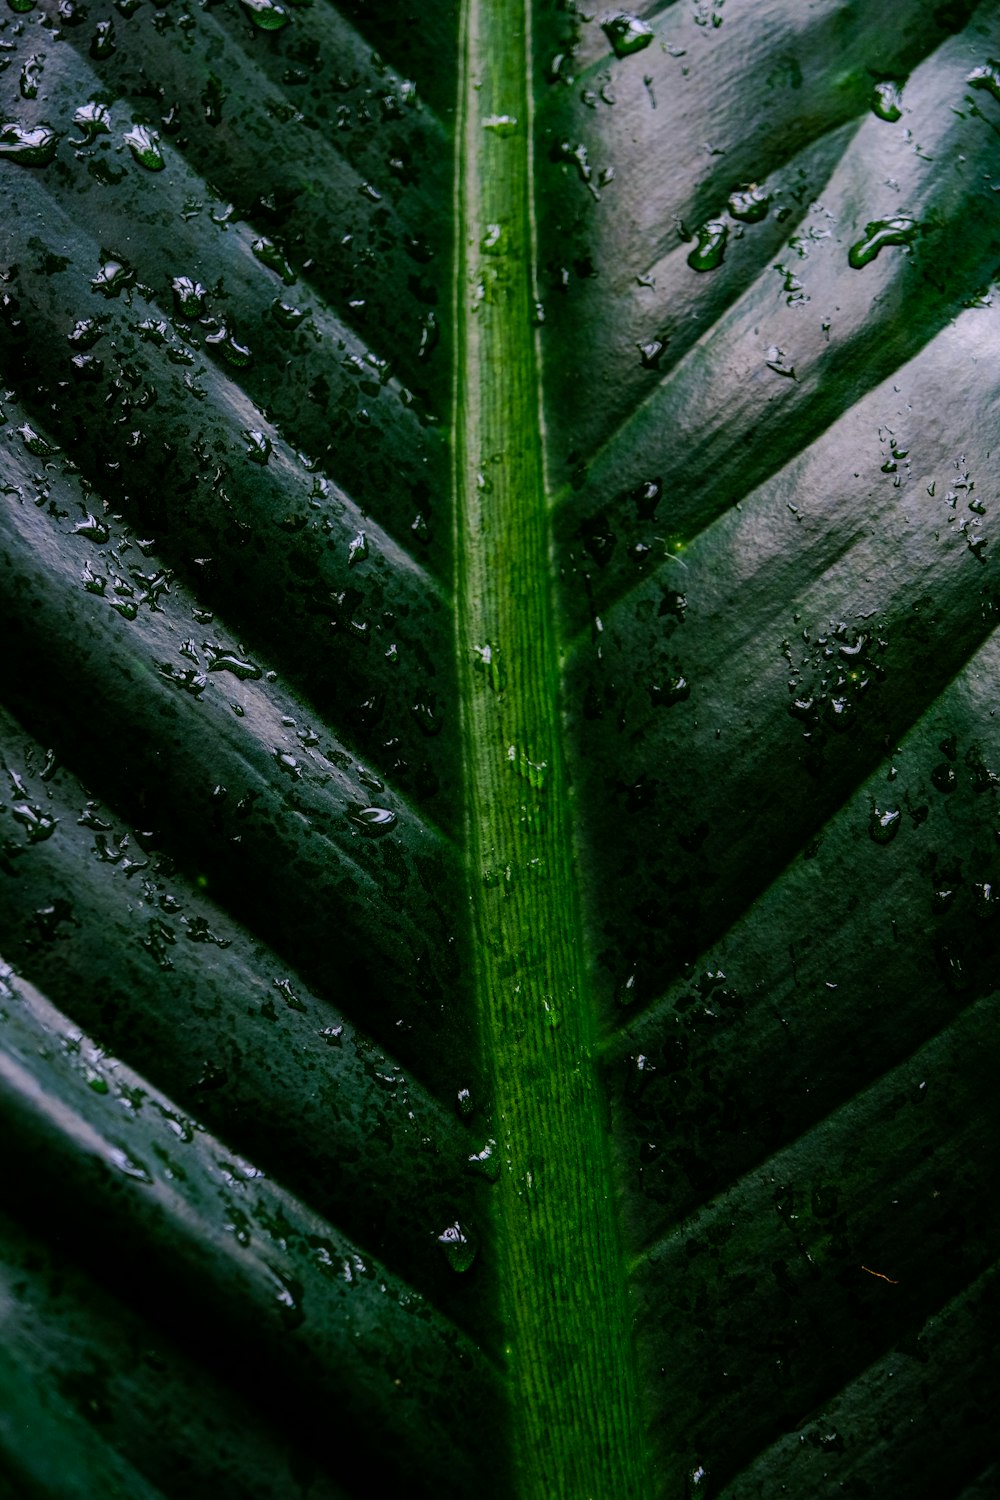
x: 576, y: 1432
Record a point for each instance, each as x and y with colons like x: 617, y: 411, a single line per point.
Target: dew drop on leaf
x: 886, y: 100
x: 260, y: 447
x: 457, y: 1250
x: 144, y: 145
x: 987, y: 77
x: 267, y: 252
x: 883, y: 825
x: 265, y: 14
x: 111, y: 279
x: 901, y: 230
x: 500, y: 124
x: 92, y: 119
x: 374, y: 822
x: 750, y: 204
x: 189, y: 296
x: 627, y: 34
x: 708, y: 253
x: 29, y: 146
x: 485, y: 1163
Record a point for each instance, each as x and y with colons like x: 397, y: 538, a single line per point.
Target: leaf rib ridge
x: 568, y: 1345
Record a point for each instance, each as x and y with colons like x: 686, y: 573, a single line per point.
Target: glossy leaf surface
x: 390, y: 1107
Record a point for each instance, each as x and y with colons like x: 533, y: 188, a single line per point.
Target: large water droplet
x: 749, y: 204
x: 144, y: 145
x: 374, y: 822
x: 29, y: 146
x: 711, y: 246
x: 901, y: 230
x: 92, y: 119
x: 485, y: 1163
x: 260, y: 446
x: 987, y: 78
x: 886, y: 100
x: 458, y: 1251
x: 501, y: 124
x: 265, y: 14
x: 627, y: 34
x: 883, y: 825
x: 220, y: 660
x: 38, y: 825
x: 269, y: 255
x: 189, y: 296
x: 111, y: 279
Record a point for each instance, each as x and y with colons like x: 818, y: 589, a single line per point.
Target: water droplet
x: 627, y: 34
x: 287, y: 315
x: 102, y: 43
x: 31, y: 75
x: 260, y: 447
x: 93, y: 529
x: 492, y: 241
x: 29, y: 146
x: 291, y: 999
x: 501, y: 124
x: 189, y: 296
x: 220, y: 660
x: 884, y: 825
x: 226, y: 343
x: 374, y: 822
x: 485, y: 1163
x: 357, y: 549
x: 111, y: 279
x: 144, y: 145
x: 669, y: 691
x: 265, y: 14
x: 269, y: 255
x: 886, y: 100
x: 650, y: 353
x: 130, y: 1167
x: 92, y: 119
x: 711, y: 246
x: 777, y: 360
x: 647, y: 497
x: 465, y: 1103
x: 37, y: 825
x: 21, y: 7
x: 987, y: 78
x: 35, y: 443
x: 944, y: 777
x: 901, y: 230
x: 458, y: 1251
x: 750, y: 204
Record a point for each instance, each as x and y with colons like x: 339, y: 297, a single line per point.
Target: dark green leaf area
x: 846, y: 1242
x: 103, y: 1377
x: 200, y: 1242
x: 820, y: 986
x: 811, y: 626
x: 214, y: 764
x: 788, y: 333
x: 262, y: 535
x: 309, y: 1193
x: 221, y: 1023
x: 309, y: 135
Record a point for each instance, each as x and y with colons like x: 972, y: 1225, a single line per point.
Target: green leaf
x: 499, y: 830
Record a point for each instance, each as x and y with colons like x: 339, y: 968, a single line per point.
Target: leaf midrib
x: 576, y: 1424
